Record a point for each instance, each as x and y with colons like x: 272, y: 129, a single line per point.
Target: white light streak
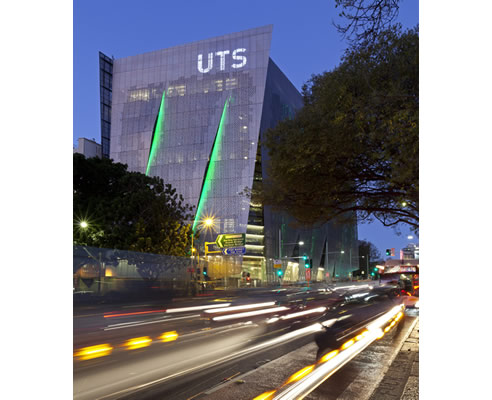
x: 185, y: 309
x: 249, y: 313
x: 301, y: 313
x: 243, y: 307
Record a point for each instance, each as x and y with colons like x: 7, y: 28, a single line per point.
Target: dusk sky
x: 304, y: 42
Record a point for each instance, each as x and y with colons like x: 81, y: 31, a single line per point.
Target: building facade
x: 89, y: 148
x: 194, y: 115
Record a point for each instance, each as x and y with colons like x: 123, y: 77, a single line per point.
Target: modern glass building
x: 194, y: 115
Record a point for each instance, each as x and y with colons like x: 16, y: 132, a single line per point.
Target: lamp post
x: 367, y: 264
x: 207, y: 223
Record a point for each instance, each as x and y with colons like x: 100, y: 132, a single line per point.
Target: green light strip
x: 210, y: 170
x: 158, y: 129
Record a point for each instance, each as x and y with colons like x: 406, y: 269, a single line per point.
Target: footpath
x: 401, y: 381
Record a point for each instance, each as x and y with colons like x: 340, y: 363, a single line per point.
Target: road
x: 178, y: 353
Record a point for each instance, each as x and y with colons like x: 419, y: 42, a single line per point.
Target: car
x: 352, y: 313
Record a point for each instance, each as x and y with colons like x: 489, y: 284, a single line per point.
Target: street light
x: 207, y: 223
x: 367, y: 263
x: 84, y: 224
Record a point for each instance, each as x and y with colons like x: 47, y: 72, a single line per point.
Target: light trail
x: 308, y: 379
x: 196, y: 308
x: 281, y: 339
x: 243, y: 307
x: 136, y: 323
x: 249, y: 314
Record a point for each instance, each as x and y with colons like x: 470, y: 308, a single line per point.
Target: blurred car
x: 352, y: 313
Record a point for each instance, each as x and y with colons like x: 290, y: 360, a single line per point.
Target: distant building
x: 410, y: 252
x: 89, y: 148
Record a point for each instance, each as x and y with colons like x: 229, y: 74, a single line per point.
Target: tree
x: 366, y: 19
x: 127, y: 210
x: 368, y: 250
x: 353, y: 147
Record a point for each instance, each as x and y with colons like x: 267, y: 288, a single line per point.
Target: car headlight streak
x: 249, y: 314
x: 243, y: 307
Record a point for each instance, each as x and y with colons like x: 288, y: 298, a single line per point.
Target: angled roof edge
x: 259, y: 30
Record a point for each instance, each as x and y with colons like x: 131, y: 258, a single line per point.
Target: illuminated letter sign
x: 222, y: 54
x: 210, y: 63
x: 238, y: 58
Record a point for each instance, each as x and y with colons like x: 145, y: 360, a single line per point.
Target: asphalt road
x: 205, y: 355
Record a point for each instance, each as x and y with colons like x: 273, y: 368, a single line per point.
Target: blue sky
x: 304, y: 42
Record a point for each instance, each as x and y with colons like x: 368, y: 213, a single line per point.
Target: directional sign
x: 230, y: 251
x: 277, y: 263
x: 231, y: 240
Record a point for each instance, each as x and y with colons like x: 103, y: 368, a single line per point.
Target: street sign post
x: 231, y: 240
x: 232, y: 251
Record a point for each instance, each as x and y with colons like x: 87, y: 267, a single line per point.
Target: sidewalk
x: 401, y: 381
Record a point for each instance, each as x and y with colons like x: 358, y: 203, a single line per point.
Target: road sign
x: 231, y: 240
x: 308, y: 274
x: 277, y: 263
x: 231, y: 251
x: 211, y: 247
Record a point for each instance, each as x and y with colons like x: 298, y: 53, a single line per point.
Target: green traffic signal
x: 372, y: 273
x: 279, y: 272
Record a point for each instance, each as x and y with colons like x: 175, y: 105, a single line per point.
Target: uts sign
x: 236, y: 56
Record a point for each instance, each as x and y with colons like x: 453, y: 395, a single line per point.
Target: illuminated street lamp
x: 84, y: 224
x: 208, y: 223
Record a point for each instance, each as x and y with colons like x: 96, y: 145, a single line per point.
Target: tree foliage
x: 353, y: 147
x: 127, y: 210
x: 367, y: 249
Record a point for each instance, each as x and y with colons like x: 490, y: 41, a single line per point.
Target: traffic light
x: 307, y: 264
x: 375, y: 268
x: 388, y: 252
x: 198, y: 271
x: 279, y: 272
x: 311, y: 263
x: 205, y: 270
x: 304, y: 257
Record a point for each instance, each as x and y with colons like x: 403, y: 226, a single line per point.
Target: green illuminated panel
x: 210, y: 170
x: 156, y: 135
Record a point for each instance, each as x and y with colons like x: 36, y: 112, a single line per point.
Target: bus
x: 405, y: 276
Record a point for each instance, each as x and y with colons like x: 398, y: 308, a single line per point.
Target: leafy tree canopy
x: 367, y: 249
x: 353, y: 147
x: 127, y: 210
